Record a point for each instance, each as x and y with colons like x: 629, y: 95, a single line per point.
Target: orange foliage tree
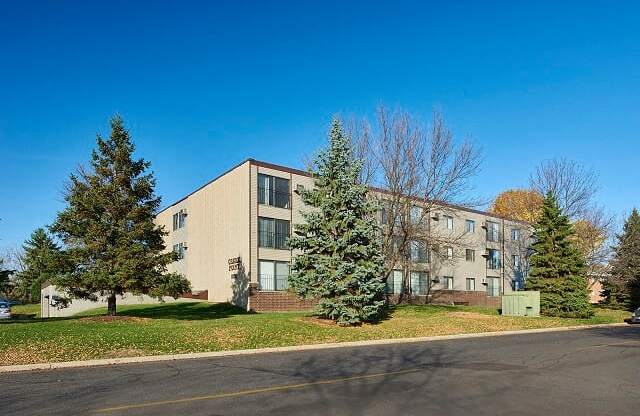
x: 518, y: 204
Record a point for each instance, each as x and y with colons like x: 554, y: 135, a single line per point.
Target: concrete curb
x: 307, y: 347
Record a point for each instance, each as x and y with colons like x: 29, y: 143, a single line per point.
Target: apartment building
x: 231, y: 237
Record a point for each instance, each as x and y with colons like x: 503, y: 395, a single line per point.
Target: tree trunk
x: 111, y: 305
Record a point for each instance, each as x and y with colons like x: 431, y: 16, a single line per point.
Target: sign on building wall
x: 234, y: 263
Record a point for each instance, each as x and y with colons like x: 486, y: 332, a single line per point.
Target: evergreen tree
x: 108, y: 230
x: 557, y: 267
x: 43, y: 260
x: 340, y: 261
x: 5, y: 279
x: 623, y: 289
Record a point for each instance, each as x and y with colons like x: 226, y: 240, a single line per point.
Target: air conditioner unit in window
x: 484, y: 281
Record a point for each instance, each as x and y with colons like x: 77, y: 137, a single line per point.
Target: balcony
x: 269, y: 282
x: 270, y: 239
x: 272, y: 197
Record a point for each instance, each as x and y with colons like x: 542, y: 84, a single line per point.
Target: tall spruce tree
x: 340, y: 262
x: 557, y: 267
x: 108, y: 229
x: 623, y: 289
x: 43, y: 260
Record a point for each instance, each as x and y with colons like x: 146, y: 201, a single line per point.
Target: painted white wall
x: 49, y: 310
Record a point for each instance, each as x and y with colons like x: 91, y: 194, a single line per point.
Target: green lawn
x: 26, y: 311
x: 193, y: 327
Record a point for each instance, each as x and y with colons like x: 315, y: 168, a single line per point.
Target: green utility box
x: 521, y: 304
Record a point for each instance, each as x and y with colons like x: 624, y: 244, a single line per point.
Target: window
x: 419, y: 282
x: 447, y: 282
x: 516, y: 263
x: 515, y: 234
x: 493, y: 231
x: 396, y: 242
x: 493, y: 286
x: 394, y: 282
x: 416, y: 214
x: 470, y: 255
x: 471, y: 283
x: 273, y: 191
x: 273, y: 233
x: 448, y: 253
x: 179, y: 219
x: 493, y: 259
x: 273, y: 275
x: 449, y: 221
x: 180, y: 248
x: 470, y: 226
x: 419, y: 252
x: 383, y: 216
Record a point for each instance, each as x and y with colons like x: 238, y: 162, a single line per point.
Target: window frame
x: 468, y: 287
x: 180, y: 249
x: 470, y: 226
x: 422, y: 251
x: 448, y: 252
x: 494, y: 262
x: 394, y: 283
x: 276, y: 243
x: 473, y: 255
x: 493, y: 231
x: 275, y: 287
x: 422, y: 282
x: 447, y: 282
x: 270, y: 192
x: 495, y: 290
x: 448, y: 221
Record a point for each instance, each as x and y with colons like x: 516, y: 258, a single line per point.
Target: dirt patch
x: 470, y: 315
x: 319, y: 321
x: 108, y: 319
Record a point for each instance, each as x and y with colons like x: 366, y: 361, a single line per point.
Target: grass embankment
x: 29, y: 310
x: 194, y: 327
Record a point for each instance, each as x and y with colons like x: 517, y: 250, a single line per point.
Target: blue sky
x: 205, y: 85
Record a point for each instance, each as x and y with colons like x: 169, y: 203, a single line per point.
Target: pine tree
x: 108, y: 230
x: 43, y: 260
x: 340, y: 262
x: 624, y: 287
x: 5, y: 279
x: 557, y: 267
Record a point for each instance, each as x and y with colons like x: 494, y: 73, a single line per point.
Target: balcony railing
x: 269, y: 282
x: 269, y: 196
x: 493, y: 264
x: 419, y: 288
x: 269, y: 239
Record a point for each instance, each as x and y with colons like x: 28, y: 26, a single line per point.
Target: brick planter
x: 278, y: 301
x: 449, y: 297
x: 282, y: 301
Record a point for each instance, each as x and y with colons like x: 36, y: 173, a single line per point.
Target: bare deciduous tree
x: 594, y: 232
x: 573, y: 185
x: 415, y: 171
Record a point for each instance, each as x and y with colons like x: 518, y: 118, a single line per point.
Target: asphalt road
x: 586, y: 372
